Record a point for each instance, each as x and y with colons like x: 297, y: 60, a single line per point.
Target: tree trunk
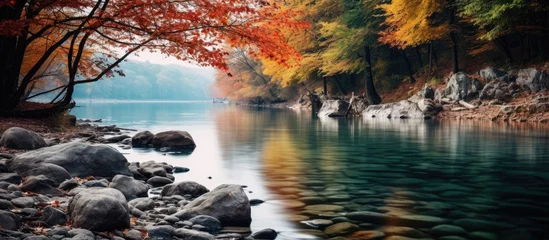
x: 454, y: 41
x: 430, y: 59
x: 409, y: 66
x: 339, y: 86
x: 419, y: 57
x: 502, y: 43
x: 369, y: 78
x: 325, y: 86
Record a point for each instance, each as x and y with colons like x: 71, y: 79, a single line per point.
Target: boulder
x: 9, y: 221
x: 265, y: 234
x: 102, y: 209
x: 53, y: 172
x: 533, y: 80
x: 173, y: 140
x: 458, y: 86
x: 428, y: 92
x: 489, y: 74
x: 188, y: 234
x: 53, y: 216
x: 142, y: 139
x: 403, y: 109
x: 339, y: 229
x: 20, y: 138
x: 211, y: 224
x: 228, y: 203
x: 130, y: 187
x: 79, y: 159
x: 142, y: 204
x: 69, y: 184
x: 182, y: 188
x: 152, y: 168
x: 11, y: 178
x: 115, y: 139
x: 333, y: 108
x: 42, y: 185
x: 157, y: 181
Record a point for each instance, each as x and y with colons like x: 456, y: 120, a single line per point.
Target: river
x: 490, y: 178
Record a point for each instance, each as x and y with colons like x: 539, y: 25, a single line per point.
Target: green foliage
x: 495, y: 17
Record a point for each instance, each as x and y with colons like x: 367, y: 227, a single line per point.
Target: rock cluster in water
x: 90, y: 191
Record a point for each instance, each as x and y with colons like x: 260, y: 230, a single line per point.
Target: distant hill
x: 148, y: 81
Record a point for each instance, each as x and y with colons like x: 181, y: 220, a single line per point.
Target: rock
x: 188, y: 234
x: 324, y: 208
x: 182, y: 188
x: 51, y: 171
x: 23, y: 202
x: 333, y: 108
x: 6, y: 205
x: 160, y: 232
x: 103, y: 183
x: 180, y: 169
x: 533, y: 80
x: 142, y: 204
x: 68, y: 184
x: 40, y: 184
x: 142, y: 139
x: 152, y: 168
x: 158, y: 181
x: 102, y: 209
x: 130, y: 187
x: 9, y: 221
x: 489, y: 74
x: 20, y: 138
x: 37, y: 238
x: 216, y: 203
x: 419, y: 221
x: 403, y: 231
x: 318, y: 223
x: 367, y: 235
x: 458, y: 86
x: 428, y: 92
x: 448, y: 230
x: 482, y: 225
x: 11, y: 178
x: 483, y: 236
x: 340, y: 229
x: 429, y: 107
x: 80, y: 231
x: 82, y: 237
x: 173, y: 140
x: 403, y: 109
x: 255, y: 202
x: 53, y: 216
x: 211, y: 224
x: 133, y: 235
x: 79, y: 159
x: 369, y: 217
x: 115, y: 139
x: 265, y: 234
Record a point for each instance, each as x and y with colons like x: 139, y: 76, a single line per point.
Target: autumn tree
x: 193, y: 31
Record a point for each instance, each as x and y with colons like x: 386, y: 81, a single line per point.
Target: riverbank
x: 53, y: 182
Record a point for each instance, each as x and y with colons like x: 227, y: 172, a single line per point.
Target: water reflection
x: 392, y: 178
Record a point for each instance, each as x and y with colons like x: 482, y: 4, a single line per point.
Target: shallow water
x: 492, y: 179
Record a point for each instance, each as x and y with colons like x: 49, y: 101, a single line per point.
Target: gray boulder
x: 53, y: 216
x: 458, y: 86
x: 428, y: 92
x: 53, y: 172
x: 333, y: 108
x: 403, y: 109
x: 130, y: 187
x: 20, y: 138
x: 9, y: 221
x: 182, y: 188
x: 228, y: 203
x: 533, y: 80
x: 11, y: 178
x: 173, y: 140
x: 188, y: 234
x: 79, y: 159
x: 102, y: 209
x: 158, y: 181
x: 211, y: 224
x: 142, y: 139
x: 40, y: 184
x: 152, y: 168
x: 489, y: 74
x: 142, y: 204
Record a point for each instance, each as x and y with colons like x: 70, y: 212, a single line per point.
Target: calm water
x: 488, y: 178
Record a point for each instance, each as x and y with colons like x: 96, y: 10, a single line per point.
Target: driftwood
x: 466, y: 104
x: 350, y: 104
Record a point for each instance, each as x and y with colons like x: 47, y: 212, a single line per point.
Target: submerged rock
x: 79, y: 159
x: 339, y: 229
x: 101, y: 209
x: 20, y: 138
x: 216, y: 204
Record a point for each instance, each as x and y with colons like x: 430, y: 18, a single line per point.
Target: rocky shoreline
x: 491, y: 94
x: 77, y: 187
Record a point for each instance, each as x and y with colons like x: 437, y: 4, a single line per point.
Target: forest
x: 368, y: 46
